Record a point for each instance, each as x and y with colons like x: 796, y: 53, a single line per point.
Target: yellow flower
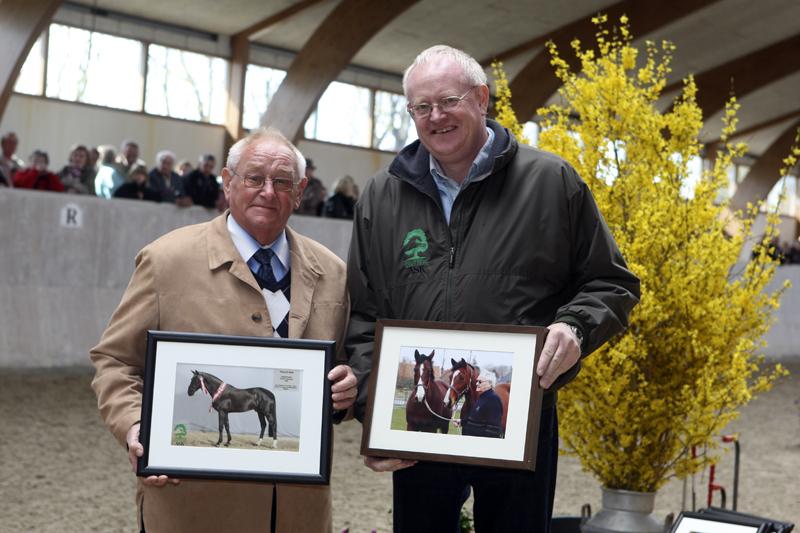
x: 690, y: 358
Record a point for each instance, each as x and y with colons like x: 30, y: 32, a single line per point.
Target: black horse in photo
x: 226, y: 399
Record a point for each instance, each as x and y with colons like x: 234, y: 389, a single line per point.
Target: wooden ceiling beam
x: 252, y: 32
x: 758, y: 127
x: 237, y: 70
x: 745, y: 74
x: 328, y: 51
x: 21, y: 23
x: 765, y: 172
x: 536, y: 82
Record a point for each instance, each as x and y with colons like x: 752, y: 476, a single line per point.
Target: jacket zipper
x: 451, y: 262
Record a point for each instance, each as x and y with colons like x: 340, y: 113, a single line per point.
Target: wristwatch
x: 578, y: 334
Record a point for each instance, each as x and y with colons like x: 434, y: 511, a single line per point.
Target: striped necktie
x: 265, y: 277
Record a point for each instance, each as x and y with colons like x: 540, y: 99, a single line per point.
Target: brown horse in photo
x: 463, y: 382
x: 425, y: 409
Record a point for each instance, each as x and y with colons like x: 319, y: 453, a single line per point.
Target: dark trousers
x: 428, y: 496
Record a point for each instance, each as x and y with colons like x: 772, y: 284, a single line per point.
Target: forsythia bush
x: 689, y: 360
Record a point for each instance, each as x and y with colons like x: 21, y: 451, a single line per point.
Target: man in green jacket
x: 467, y: 226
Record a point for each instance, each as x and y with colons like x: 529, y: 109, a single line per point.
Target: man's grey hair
x: 488, y: 375
x: 163, y: 154
x: 206, y: 157
x: 266, y: 134
x: 473, y: 72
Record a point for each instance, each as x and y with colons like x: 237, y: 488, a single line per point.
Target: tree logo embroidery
x: 419, y: 244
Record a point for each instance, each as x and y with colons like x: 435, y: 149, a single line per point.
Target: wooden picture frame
x: 195, y: 383
x: 406, y: 420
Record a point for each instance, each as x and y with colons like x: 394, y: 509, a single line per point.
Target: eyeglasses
x: 257, y: 182
x: 445, y: 105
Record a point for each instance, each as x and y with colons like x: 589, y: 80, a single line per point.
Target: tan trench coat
x: 194, y: 280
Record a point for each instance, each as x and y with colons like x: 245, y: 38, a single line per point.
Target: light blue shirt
x: 449, y: 188
x: 248, y: 246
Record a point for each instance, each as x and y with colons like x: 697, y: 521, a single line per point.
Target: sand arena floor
x: 60, y: 470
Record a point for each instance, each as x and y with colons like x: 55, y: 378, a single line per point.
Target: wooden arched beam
x: 765, y: 172
x: 745, y: 74
x: 536, y: 82
x: 332, y: 46
x: 240, y: 55
x: 21, y: 23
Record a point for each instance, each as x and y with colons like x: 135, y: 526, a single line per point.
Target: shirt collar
x: 480, y: 168
x: 247, y: 245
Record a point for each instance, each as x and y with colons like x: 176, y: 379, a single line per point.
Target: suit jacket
x: 194, y: 280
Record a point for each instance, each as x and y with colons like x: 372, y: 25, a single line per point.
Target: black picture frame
x: 512, y: 348
x: 703, y: 522
x: 174, y: 431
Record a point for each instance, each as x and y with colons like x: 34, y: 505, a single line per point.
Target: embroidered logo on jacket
x: 418, y: 242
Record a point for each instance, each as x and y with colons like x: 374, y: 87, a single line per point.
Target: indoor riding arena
x: 106, y: 102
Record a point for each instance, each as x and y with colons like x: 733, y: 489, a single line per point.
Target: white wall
x: 334, y: 161
x: 54, y: 126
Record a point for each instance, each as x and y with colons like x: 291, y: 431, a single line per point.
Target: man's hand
x: 561, y: 351
x: 136, y: 450
x: 381, y: 464
x: 344, y: 388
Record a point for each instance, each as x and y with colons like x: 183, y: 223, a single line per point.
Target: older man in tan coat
x: 214, y: 278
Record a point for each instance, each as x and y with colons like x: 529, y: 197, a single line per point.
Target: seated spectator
x: 201, y: 184
x: 76, y: 176
x: 94, y: 157
x: 37, y: 176
x: 128, y: 159
x: 137, y: 188
x: 314, y: 194
x: 108, y: 178
x: 793, y: 254
x: 343, y: 200
x: 184, y: 168
x: 166, y: 182
x: 9, y: 162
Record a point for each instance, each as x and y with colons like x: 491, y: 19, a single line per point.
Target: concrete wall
x: 783, y: 339
x: 65, y: 261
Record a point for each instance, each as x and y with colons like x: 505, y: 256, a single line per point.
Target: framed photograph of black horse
x: 456, y: 393
x: 236, y: 408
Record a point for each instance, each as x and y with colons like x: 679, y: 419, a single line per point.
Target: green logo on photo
x: 419, y: 244
x: 179, y: 435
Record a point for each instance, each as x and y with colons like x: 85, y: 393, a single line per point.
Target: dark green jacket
x: 526, y: 245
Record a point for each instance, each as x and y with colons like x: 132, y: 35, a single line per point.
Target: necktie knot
x: 265, y: 275
x: 264, y: 257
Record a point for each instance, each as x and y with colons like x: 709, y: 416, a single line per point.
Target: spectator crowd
x: 105, y: 172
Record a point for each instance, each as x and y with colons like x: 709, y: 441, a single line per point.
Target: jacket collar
x: 412, y: 164
x: 306, y: 269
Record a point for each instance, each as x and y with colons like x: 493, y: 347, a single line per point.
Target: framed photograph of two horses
x: 456, y: 393
x: 237, y: 408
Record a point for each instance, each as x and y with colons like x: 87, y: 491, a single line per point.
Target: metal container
x: 625, y: 511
